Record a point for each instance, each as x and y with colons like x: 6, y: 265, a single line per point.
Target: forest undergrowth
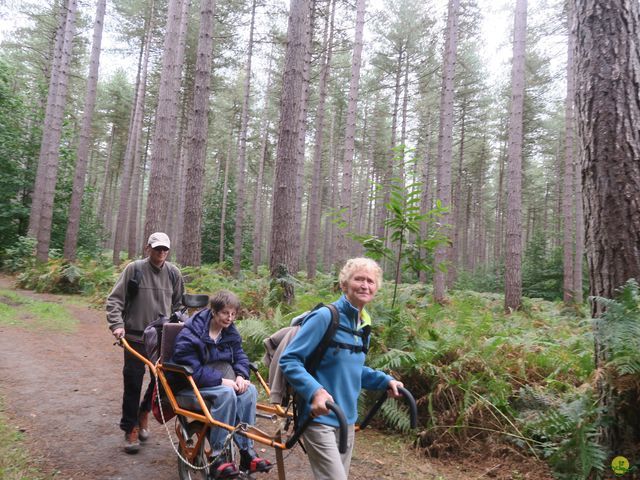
x: 481, y: 378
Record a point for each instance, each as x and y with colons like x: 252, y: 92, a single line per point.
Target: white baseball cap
x: 159, y: 239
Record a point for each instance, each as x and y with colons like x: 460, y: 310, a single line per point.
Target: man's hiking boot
x: 131, y: 443
x: 250, y: 462
x: 143, y: 425
x: 222, y: 467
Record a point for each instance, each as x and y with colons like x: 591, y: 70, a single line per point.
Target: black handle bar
x: 342, y: 420
x: 411, y: 402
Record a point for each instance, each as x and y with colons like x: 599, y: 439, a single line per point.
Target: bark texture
x: 513, y: 232
x: 607, y: 62
x: 283, y: 244
x: 445, y: 141
x: 608, y: 109
x: 163, y: 157
x: 197, y: 140
x: 82, y: 156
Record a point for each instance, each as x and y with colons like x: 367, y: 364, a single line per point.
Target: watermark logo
x: 620, y: 465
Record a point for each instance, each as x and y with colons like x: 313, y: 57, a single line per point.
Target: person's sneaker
x: 131, y: 443
x: 250, y: 462
x: 223, y: 468
x: 143, y: 425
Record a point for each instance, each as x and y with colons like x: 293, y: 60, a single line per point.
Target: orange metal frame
x: 205, y: 417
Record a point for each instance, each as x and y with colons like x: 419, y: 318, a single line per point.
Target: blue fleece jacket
x: 341, y: 372
x: 196, y: 349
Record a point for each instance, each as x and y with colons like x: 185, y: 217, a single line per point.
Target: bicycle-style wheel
x: 192, y: 463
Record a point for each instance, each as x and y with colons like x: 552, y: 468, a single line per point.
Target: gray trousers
x: 321, y: 442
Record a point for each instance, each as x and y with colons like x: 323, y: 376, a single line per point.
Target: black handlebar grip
x: 413, y: 409
x: 342, y: 421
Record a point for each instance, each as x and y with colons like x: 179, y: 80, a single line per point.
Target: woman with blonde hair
x: 341, y: 373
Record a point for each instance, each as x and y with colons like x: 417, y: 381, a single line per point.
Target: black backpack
x: 313, y: 360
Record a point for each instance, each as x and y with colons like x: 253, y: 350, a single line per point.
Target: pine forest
x: 485, y: 153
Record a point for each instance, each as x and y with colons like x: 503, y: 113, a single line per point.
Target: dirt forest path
x: 63, y: 390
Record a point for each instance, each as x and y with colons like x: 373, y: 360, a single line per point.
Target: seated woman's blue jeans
x: 226, y: 407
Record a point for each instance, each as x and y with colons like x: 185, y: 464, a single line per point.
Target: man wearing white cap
x: 145, y: 290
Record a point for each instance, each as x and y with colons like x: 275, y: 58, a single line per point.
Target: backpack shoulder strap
x: 137, y: 274
x: 314, y: 359
x: 172, y: 274
x: 137, y: 277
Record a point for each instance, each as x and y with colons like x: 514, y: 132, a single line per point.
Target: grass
x: 15, y: 461
x: 20, y: 310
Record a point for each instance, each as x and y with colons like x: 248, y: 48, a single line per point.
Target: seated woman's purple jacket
x: 196, y: 349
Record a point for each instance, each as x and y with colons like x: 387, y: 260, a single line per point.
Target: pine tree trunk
x: 162, y: 160
x: 283, y: 243
x: 455, y: 215
x: 47, y: 131
x: 342, y: 250
x: 135, y: 137
x: 607, y: 74
x: 82, y: 156
x: 579, y: 252
x: 332, y: 187
x: 499, y: 217
x: 197, y: 141
x: 301, y: 147
x: 388, y: 168
x: 513, y: 237
x: 425, y: 180
x: 53, y: 146
x: 125, y: 200
x: 569, y: 174
x: 240, y: 180
x: 315, y: 205
x: 225, y: 189
x: 445, y: 142
x: 258, y: 203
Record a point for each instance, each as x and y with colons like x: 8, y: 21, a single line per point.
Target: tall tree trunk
x: 123, y: 220
x: 388, y: 168
x: 283, y: 243
x: 569, y: 175
x: 499, y: 217
x: 107, y: 176
x: 164, y: 136
x: 258, y: 204
x: 301, y: 147
x: 315, y: 205
x: 456, y: 219
x: 225, y: 189
x: 135, y: 136
x: 342, y: 250
x: 425, y: 180
x: 240, y: 179
x: 513, y: 237
x: 53, y: 147
x: 82, y: 157
x: 403, y: 126
x: 579, y: 252
x: 445, y: 142
x: 47, y: 131
x: 197, y: 140
x: 332, y: 185
x: 607, y: 74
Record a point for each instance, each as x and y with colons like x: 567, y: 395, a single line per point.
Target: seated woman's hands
x: 242, y: 384
x: 239, y: 385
